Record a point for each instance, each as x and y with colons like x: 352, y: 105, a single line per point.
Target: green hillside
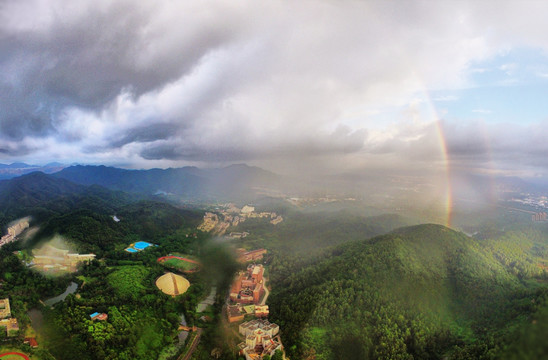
x: 420, y: 292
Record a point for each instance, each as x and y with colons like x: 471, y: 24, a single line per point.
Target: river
x: 71, y: 289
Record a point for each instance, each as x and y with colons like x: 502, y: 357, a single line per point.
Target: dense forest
x: 420, y: 292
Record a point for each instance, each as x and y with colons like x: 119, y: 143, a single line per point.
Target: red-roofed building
x: 248, y: 286
x: 32, y: 342
x: 97, y: 316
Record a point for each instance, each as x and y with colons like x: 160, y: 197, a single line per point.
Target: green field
x: 181, y: 264
x: 128, y: 281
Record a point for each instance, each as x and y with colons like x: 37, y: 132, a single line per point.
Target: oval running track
x: 23, y: 356
x: 178, y: 257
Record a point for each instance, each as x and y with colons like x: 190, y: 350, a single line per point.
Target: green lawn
x: 128, y: 281
x: 180, y: 264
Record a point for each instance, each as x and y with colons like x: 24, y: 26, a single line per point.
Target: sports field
x: 181, y: 262
x: 13, y: 356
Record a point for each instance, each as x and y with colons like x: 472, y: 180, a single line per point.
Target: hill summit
x: 418, y: 291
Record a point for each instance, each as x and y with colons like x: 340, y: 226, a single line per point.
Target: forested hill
x: 84, y: 213
x: 43, y: 196
x: 424, y: 291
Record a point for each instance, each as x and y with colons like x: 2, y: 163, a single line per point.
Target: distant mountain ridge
x: 235, y: 181
x: 9, y: 171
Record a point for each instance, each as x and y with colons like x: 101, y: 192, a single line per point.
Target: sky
x: 323, y: 86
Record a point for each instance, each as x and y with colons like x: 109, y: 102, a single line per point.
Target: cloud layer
x: 339, y: 83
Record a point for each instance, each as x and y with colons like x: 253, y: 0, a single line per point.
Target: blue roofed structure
x: 139, y: 246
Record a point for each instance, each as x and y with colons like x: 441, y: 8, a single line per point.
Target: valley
x: 341, y: 284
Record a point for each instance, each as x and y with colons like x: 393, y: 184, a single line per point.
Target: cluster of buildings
x: 249, y: 212
x: 210, y: 221
x: 245, y: 295
x: 252, y: 255
x: 11, y: 324
x: 219, y: 221
x: 261, y: 338
x: 14, y: 231
x: 237, y: 313
x: 213, y: 222
x: 536, y: 201
x: 540, y: 216
x: 51, y: 259
x: 248, y: 287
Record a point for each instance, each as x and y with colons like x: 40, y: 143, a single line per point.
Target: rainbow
x: 446, y: 162
x: 486, y: 169
x: 433, y: 116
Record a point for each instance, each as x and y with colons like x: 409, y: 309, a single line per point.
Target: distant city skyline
x: 314, y: 86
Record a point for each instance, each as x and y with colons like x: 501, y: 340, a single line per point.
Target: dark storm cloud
x: 89, y: 59
x: 147, y: 133
x: 21, y: 115
x: 86, y: 60
x: 506, y: 146
x: 16, y: 150
x: 235, y: 148
x: 166, y: 82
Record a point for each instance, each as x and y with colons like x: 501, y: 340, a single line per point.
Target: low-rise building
x: 31, y: 342
x: 234, y: 313
x: 261, y: 311
x: 252, y: 255
x: 14, y: 231
x: 98, y: 316
x: 50, y: 258
x: 246, y: 210
x: 5, y: 311
x: 11, y: 324
x: 261, y: 338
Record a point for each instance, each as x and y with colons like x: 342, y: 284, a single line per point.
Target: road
x: 193, y: 346
x: 266, y: 293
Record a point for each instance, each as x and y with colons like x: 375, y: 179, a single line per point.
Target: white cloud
x: 164, y: 82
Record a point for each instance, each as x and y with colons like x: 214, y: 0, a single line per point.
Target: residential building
x: 261, y: 338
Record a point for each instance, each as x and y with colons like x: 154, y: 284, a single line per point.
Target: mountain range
x: 8, y: 171
x: 238, y: 181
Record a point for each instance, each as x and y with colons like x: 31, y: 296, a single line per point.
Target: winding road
x: 266, y: 293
